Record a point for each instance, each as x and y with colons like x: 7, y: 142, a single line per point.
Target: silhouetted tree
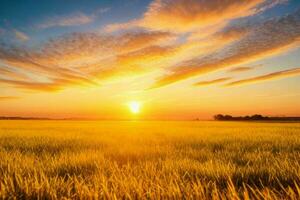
x: 228, y: 117
x: 219, y: 117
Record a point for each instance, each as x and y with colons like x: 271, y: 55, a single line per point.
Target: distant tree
x: 257, y: 117
x: 228, y: 117
x: 219, y: 117
x: 247, y: 117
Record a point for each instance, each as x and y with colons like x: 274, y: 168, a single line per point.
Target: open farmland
x: 149, y: 160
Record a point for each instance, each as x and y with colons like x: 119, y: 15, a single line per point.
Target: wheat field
x: 149, y: 160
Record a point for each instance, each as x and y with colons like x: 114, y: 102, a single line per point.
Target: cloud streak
x: 267, y: 77
x: 242, y: 69
x: 81, y: 58
x: 21, y: 36
x: 270, y: 38
x: 212, y: 82
x: 13, y: 74
x: 201, y: 41
x: 75, y: 19
x: 4, y: 98
x: 55, y: 85
x: 191, y: 15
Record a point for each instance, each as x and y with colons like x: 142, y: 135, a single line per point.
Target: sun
x: 134, y: 107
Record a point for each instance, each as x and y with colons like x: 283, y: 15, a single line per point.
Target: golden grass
x: 149, y: 160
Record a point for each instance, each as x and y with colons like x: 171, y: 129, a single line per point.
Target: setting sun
x: 134, y: 107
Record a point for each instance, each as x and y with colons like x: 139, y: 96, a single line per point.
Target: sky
x: 178, y: 59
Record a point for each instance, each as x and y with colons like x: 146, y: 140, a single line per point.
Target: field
x: 149, y: 160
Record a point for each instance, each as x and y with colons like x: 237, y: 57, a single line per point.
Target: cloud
x: 243, y: 68
x: 240, y: 69
x: 3, y: 98
x: 56, y: 84
x: 267, y: 77
x: 71, y: 20
x: 183, y: 52
x: 190, y: 15
x: 211, y: 82
x: 147, y: 57
x: 270, y: 38
x: 48, y: 87
x: 132, y: 41
x: 21, y: 36
x: 74, y: 19
x: 102, y: 10
x: 13, y: 74
x: 81, y: 58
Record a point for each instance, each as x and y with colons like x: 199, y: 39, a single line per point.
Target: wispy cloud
x: 191, y: 15
x: 211, y: 82
x: 243, y: 68
x: 48, y: 87
x: 240, y: 69
x: 56, y: 84
x: 272, y: 37
x: 81, y: 58
x: 74, y: 19
x: 3, y: 98
x: 176, y: 50
x: 12, y: 74
x: 71, y: 20
x: 267, y: 77
x: 21, y: 36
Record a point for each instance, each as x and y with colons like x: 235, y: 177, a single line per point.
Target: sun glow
x: 134, y: 107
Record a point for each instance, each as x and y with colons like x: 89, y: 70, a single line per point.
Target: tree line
x: 256, y: 117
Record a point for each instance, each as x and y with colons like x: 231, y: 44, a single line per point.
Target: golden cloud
x: 13, y: 74
x: 211, y: 82
x: 270, y: 38
x: 81, y: 57
x: 243, y: 68
x: 90, y: 58
x: 3, y: 98
x: 191, y: 15
x: 267, y: 77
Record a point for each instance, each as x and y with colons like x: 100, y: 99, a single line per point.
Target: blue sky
x: 27, y: 16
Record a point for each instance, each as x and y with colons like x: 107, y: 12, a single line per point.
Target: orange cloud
x: 267, y: 77
x: 91, y: 58
x: 240, y: 69
x: 3, y: 98
x: 267, y: 39
x: 190, y: 15
x: 147, y: 56
x: 13, y: 74
x: 243, y: 68
x: 55, y: 84
x: 83, y: 57
x: 137, y: 40
x: 211, y: 82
